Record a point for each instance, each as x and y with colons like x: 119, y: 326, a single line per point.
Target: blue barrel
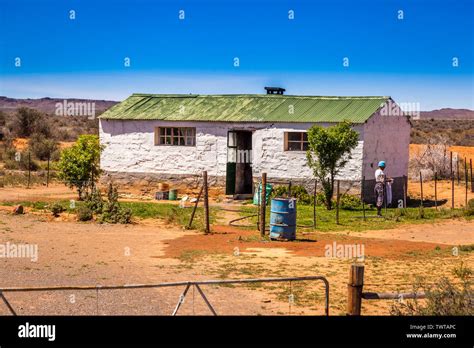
x: 283, y: 218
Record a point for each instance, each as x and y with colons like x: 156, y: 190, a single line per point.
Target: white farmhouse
x: 237, y: 137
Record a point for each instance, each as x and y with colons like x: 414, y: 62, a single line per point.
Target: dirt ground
x: 73, y: 253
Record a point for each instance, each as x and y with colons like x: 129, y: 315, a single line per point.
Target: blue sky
x: 409, y: 59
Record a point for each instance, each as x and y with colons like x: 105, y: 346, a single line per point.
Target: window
x: 177, y: 136
x: 296, y: 141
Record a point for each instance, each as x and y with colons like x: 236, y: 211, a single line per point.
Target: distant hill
x: 448, y: 114
x: 48, y: 105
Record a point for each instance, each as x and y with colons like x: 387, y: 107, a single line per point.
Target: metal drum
x: 283, y: 218
x: 173, y: 194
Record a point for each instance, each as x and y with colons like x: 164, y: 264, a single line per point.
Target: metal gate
x: 196, y: 284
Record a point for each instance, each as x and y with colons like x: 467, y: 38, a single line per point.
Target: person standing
x: 380, y: 181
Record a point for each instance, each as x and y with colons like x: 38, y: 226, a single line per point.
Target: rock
x: 18, y: 209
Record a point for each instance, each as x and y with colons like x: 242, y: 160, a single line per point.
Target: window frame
x: 302, y: 142
x: 182, y: 133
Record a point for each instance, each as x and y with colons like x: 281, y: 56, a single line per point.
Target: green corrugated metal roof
x: 244, y: 108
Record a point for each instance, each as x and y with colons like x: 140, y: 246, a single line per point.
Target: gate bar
x: 162, y: 285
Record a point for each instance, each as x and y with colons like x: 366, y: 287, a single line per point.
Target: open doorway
x: 239, y: 163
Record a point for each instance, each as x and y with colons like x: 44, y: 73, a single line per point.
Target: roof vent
x: 275, y: 90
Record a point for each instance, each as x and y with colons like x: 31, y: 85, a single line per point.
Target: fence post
x: 47, y: 171
x: 457, y: 168
x: 472, y: 181
x: 405, y: 190
x: 421, y: 190
x: 263, y: 204
x: 29, y: 168
x: 195, y: 207
x: 354, y: 289
x: 314, y: 202
x: 362, y: 197
x: 465, y: 181
x: 436, y: 189
x: 337, y: 202
x: 451, y: 162
x: 452, y: 190
x: 206, y: 201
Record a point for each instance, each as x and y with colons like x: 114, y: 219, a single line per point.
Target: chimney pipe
x: 275, y: 90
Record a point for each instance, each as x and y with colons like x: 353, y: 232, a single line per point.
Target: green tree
x: 42, y: 147
x: 28, y: 121
x: 329, y: 150
x: 79, y: 165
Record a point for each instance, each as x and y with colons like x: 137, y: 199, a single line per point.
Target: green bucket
x: 173, y: 195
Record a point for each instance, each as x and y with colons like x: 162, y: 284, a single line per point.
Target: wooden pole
x: 195, y: 207
x: 206, y: 201
x: 354, y: 289
x: 405, y: 190
x: 472, y: 181
x: 263, y: 204
x: 436, y: 189
x: 362, y: 197
x: 289, y: 189
x: 457, y: 168
x: 465, y: 182
x: 451, y: 173
x: 29, y: 168
x: 47, y: 171
x: 452, y: 190
x: 314, y: 202
x: 421, y: 190
x: 337, y: 201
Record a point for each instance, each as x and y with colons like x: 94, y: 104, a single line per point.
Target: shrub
x: 112, y: 212
x: 94, y: 201
x: 442, y: 298
x: 84, y: 213
x: 79, y: 165
x: 23, y: 164
x: 279, y: 191
x: 300, y: 193
x: 350, y: 202
x: 470, y: 203
x: 469, y: 211
x: 28, y: 121
x: 56, y: 209
x: 43, y: 148
x: 297, y: 191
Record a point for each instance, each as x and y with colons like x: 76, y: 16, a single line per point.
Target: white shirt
x: 379, y: 175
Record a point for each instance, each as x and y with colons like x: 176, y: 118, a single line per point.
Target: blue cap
x: 382, y: 164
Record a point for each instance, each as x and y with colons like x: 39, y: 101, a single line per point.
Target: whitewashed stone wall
x: 387, y: 138
x: 129, y: 148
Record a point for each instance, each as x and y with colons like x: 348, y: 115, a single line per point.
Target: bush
x: 94, y: 201
x: 28, y: 121
x: 297, y: 191
x: 23, y: 164
x: 470, y: 203
x: 84, y: 213
x: 57, y: 209
x: 79, y: 165
x: 469, y: 211
x: 442, y: 298
x: 112, y: 212
x: 350, y: 202
x: 43, y: 148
